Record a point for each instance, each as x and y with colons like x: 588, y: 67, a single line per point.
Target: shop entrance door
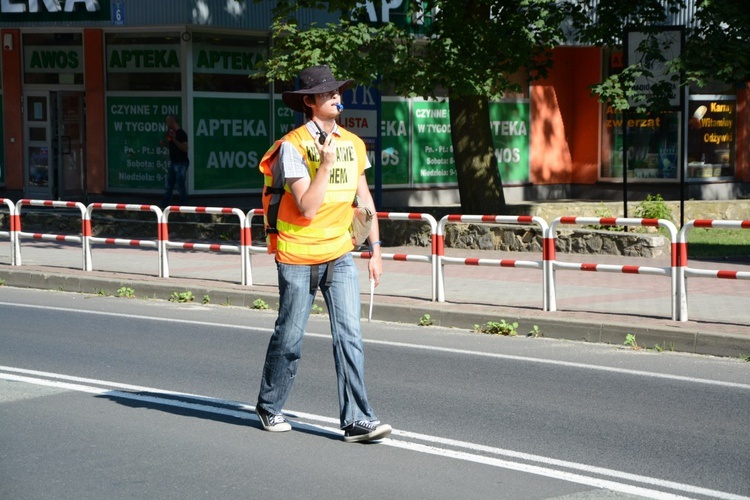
x: 55, y: 134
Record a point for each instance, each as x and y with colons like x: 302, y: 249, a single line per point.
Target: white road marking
x: 526, y: 359
x: 477, y: 454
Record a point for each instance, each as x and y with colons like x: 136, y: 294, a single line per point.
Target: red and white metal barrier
x: 442, y: 260
x: 609, y: 268
x: 682, y: 258
x: 255, y: 212
x: 402, y: 257
x: 241, y: 249
x: 251, y: 249
x: 400, y: 216
x: 122, y: 241
x: 69, y: 238
x: 12, y: 233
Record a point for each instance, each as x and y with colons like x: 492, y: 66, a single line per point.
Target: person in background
x: 177, y: 141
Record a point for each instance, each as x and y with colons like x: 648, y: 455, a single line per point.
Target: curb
x: 688, y: 337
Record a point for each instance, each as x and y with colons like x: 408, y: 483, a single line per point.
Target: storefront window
x: 711, y: 136
x: 226, y: 63
x: 652, y: 142
x: 53, y: 58
x: 653, y: 145
x: 143, y: 61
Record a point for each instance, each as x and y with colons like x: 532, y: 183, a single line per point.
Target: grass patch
x: 718, y: 243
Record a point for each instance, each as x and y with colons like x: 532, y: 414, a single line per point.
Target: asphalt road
x: 103, y: 397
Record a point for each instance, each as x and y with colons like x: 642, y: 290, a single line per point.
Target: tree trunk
x: 479, y: 183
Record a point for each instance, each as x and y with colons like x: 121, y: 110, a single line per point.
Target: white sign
x: 118, y: 14
x: 386, y: 6
x: 670, y: 46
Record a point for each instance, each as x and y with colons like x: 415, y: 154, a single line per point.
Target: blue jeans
x: 284, y: 349
x: 177, y: 174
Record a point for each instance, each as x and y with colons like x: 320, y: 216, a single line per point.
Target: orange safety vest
x: 295, y: 238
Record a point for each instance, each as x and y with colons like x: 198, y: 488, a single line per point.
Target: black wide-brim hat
x: 313, y: 80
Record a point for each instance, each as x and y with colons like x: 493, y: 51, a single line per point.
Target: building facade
x: 86, y: 86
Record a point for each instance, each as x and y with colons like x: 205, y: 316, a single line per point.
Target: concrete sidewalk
x: 595, y: 307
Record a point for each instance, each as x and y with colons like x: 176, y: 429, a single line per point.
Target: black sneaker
x: 271, y: 422
x: 362, y: 430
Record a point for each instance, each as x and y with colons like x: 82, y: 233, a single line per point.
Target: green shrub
x: 126, y: 292
x: 260, y: 304
x: 653, y: 207
x: 604, y: 213
x: 425, y: 320
x: 182, y: 297
x: 498, y: 328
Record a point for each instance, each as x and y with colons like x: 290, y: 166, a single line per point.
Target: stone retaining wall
x: 400, y: 233
x: 526, y: 239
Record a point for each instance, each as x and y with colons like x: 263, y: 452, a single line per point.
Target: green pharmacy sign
x: 234, y: 61
x: 142, y: 59
x: 432, y: 148
x: 230, y: 137
x: 509, y: 124
x: 137, y: 155
x: 395, y: 124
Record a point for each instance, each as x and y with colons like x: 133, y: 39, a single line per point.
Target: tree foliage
x: 719, y: 45
x: 716, y: 49
x: 478, y: 50
x: 466, y: 48
x: 470, y: 52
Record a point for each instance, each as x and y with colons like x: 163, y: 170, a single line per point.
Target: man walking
x: 177, y: 141
x: 323, y: 167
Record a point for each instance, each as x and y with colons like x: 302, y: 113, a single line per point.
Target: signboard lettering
x: 53, y: 10
x: 136, y: 129
x: 235, y: 61
x: 48, y: 59
x: 142, y: 59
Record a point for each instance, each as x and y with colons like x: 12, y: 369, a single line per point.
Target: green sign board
x: 227, y: 60
x: 509, y: 124
x: 396, y: 12
x: 143, y: 59
x: 395, y: 123
x: 283, y: 119
x: 432, y: 149
x: 137, y: 155
x: 66, y: 59
x: 54, y: 11
x: 230, y: 137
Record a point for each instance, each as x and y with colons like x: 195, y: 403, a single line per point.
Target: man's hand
x: 375, y: 266
x: 327, y: 152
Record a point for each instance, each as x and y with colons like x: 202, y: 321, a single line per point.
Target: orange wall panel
x: 96, y: 145
x: 13, y: 111
x: 550, y: 155
x: 566, y: 119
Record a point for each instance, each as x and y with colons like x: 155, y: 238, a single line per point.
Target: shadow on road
x: 215, y: 410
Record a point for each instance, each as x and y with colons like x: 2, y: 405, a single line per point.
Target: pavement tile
x: 592, y: 307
